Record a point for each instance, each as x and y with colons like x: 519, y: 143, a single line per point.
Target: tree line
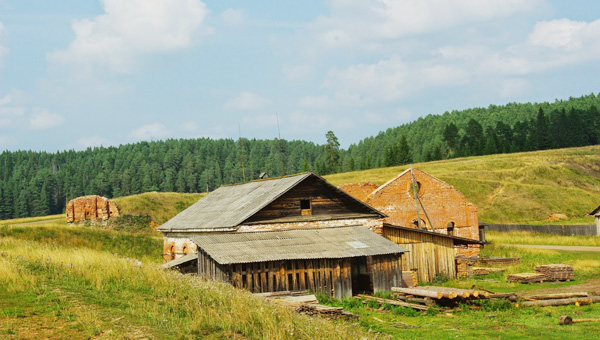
x: 40, y: 183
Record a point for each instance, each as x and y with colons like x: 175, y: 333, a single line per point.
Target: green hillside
x: 514, y: 188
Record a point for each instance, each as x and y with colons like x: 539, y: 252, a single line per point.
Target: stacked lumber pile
x: 439, y: 293
x: 560, y: 299
x: 392, y: 302
x: 503, y: 261
x: 409, y: 279
x: 526, y: 277
x: 555, y: 272
x: 464, y: 265
x: 486, y: 271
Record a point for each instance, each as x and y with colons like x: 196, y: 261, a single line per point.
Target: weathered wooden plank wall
x: 324, y: 201
x: 325, y: 276
x: 429, y: 254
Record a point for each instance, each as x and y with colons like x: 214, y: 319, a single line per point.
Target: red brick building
x: 447, y: 208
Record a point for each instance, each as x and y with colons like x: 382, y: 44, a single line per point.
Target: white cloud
x: 247, y: 101
x: 297, y: 72
x: 6, y: 100
x: 390, y: 80
x: 316, y: 102
x: 131, y: 28
x: 150, y: 132
x: 551, y: 44
x: 232, y: 17
x: 3, y: 49
x: 360, y: 22
x: 91, y: 141
x: 44, y: 119
x: 302, y: 122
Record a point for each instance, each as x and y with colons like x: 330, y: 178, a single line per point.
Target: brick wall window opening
x: 305, y: 208
x: 415, y: 223
x: 185, y: 250
x: 172, y: 252
x: 450, y: 228
x: 415, y: 188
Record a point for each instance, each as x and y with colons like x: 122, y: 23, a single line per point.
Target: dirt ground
x: 591, y: 286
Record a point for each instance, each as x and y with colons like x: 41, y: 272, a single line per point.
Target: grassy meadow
x: 514, y: 188
x: 60, y: 281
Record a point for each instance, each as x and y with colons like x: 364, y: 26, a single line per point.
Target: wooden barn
x: 337, y: 261
x: 301, y: 201
x: 429, y: 253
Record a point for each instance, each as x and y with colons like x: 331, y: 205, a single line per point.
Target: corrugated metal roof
x: 230, y: 205
x: 298, y: 244
x: 456, y: 239
x: 180, y: 261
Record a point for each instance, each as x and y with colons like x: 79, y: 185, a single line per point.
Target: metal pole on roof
x: 415, y: 190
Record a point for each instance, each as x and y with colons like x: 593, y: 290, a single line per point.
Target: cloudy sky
x: 79, y: 73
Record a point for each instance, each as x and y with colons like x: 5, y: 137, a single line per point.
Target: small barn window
x: 172, y: 252
x: 185, y: 250
x: 450, y: 228
x: 305, y: 207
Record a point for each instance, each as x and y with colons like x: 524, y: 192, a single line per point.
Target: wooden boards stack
x: 409, y: 279
x: 555, y: 272
x: 526, y: 277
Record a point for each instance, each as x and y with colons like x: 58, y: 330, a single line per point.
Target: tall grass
x: 168, y: 304
x: 140, y: 246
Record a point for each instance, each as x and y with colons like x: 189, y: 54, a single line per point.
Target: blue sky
x: 79, y: 73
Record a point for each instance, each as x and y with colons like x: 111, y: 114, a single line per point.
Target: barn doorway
x: 361, y: 280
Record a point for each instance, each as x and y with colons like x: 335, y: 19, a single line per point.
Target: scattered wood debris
x: 567, y: 320
x: 556, y: 272
x: 305, y: 303
x: 556, y: 296
x: 392, y: 302
x: 526, y: 277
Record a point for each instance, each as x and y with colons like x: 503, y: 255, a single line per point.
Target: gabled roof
x: 295, y: 244
x: 229, y: 206
x: 596, y: 212
x: 455, y: 239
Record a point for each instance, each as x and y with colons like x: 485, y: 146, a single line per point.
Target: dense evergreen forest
x: 40, y: 183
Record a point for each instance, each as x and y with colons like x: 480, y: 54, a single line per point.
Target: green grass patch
x: 526, y: 237
x: 160, y: 206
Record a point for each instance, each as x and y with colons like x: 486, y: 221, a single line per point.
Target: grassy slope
x: 161, y: 206
x: 59, y: 281
x: 514, y: 188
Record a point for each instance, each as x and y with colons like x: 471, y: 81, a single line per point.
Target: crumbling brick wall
x: 359, y: 191
x: 444, y: 205
x: 91, y: 208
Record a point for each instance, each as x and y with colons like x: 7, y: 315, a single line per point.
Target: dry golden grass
x: 525, y: 237
x: 157, y: 302
x: 513, y: 188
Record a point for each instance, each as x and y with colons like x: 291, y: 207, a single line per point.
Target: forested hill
x: 497, y: 129
x: 40, y: 183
